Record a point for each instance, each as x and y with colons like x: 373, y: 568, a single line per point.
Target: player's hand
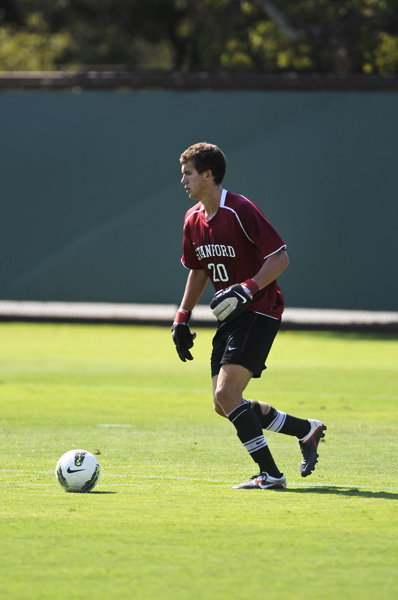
x: 228, y: 304
x: 182, y: 335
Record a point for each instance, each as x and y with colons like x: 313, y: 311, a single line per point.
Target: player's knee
x: 218, y: 408
x: 260, y: 408
x: 219, y: 397
x: 265, y: 408
x: 225, y: 399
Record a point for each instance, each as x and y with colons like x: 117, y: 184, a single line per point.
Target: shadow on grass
x: 99, y: 492
x: 342, y: 491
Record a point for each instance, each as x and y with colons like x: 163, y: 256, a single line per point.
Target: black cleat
x: 309, y: 447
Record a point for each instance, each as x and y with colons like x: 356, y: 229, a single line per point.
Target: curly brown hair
x: 206, y: 157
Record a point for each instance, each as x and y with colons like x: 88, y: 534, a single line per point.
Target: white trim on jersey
x: 185, y: 267
x: 264, y: 315
x: 194, y: 213
x: 222, y: 205
x: 268, y: 255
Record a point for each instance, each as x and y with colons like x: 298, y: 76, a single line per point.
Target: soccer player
x: 228, y: 240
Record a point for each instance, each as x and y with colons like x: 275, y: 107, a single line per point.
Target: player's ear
x: 209, y: 174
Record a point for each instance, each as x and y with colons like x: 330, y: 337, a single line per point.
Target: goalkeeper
x: 228, y: 240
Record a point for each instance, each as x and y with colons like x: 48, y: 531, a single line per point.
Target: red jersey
x: 232, y: 247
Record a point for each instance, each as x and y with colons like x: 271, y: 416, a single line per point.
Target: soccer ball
x: 78, y: 471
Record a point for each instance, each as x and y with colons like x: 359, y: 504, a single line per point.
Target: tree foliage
x: 348, y: 36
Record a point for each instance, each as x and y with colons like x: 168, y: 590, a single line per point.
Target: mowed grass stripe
x: 163, y: 521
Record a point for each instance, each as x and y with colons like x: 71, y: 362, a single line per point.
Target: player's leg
x: 247, y: 341
x: 308, y: 431
x: 278, y: 421
x: 228, y: 386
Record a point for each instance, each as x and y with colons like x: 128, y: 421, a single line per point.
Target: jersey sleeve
x: 189, y: 258
x: 259, y: 230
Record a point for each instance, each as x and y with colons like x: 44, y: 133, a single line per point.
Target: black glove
x: 182, y: 335
x: 228, y: 304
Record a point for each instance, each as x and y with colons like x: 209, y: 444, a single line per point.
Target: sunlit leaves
x: 352, y: 36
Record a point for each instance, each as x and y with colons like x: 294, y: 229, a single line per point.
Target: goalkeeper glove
x: 182, y: 336
x: 228, y: 304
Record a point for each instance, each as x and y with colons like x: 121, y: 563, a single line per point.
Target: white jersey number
x: 219, y: 272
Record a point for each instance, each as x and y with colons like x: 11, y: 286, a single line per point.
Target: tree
x: 349, y: 36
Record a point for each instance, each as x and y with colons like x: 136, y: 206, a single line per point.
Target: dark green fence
x: 92, y: 208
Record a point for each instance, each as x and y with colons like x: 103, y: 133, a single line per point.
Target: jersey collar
x: 222, y: 199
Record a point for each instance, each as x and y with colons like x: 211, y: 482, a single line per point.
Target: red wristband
x: 182, y: 316
x: 251, y: 285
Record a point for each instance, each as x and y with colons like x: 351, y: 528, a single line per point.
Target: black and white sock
x: 280, y: 422
x: 249, y: 431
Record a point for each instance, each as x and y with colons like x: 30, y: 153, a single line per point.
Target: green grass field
x: 164, y: 523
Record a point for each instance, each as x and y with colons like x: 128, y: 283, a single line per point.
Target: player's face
x: 193, y: 182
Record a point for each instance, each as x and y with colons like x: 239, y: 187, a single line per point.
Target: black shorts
x: 245, y: 341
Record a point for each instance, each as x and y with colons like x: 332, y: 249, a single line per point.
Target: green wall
x: 92, y: 207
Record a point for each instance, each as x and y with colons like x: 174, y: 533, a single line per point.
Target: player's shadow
x: 100, y: 492
x: 342, y: 491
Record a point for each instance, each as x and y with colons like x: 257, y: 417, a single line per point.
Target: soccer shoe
x: 309, y: 447
x: 262, y: 481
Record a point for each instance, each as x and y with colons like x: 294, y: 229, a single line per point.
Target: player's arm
x: 228, y: 304
x: 182, y: 336
x: 194, y: 288
x: 273, y: 266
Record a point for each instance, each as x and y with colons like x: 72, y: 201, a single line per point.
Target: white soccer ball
x: 78, y: 471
